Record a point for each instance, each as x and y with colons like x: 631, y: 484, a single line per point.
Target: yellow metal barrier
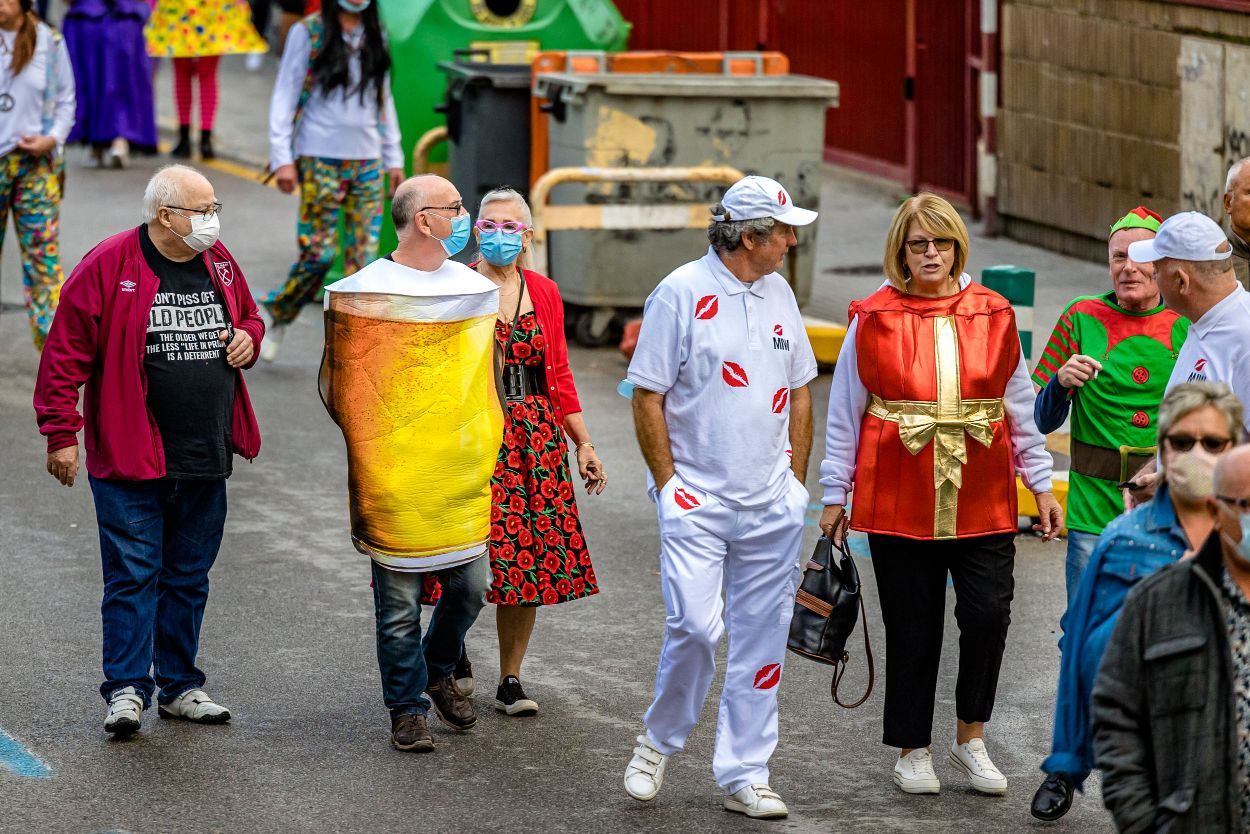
x: 1028, y: 505
x: 421, y: 151
x: 549, y: 218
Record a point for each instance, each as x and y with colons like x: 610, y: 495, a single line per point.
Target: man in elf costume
x: 1108, y: 361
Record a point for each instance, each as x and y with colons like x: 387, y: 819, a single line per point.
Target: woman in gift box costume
x: 930, y: 419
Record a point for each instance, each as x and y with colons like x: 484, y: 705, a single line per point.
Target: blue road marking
x: 19, y: 761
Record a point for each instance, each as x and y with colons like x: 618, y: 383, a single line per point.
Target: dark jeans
x: 407, y: 662
x: 158, y: 540
x: 911, y: 581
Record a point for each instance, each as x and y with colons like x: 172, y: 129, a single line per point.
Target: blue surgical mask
x: 459, y: 236
x: 356, y: 8
x: 501, y: 248
x: 1243, y: 546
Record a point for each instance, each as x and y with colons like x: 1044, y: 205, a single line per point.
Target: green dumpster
x: 1017, y: 285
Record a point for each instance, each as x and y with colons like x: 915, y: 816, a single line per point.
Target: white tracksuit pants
x: 753, y: 555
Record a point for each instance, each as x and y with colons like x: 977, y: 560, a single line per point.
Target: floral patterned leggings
x: 31, y: 189
x: 352, y: 188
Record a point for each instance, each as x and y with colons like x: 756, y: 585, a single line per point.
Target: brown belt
x: 1109, y: 464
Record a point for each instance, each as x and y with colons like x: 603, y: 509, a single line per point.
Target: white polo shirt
x: 725, y: 354
x: 1218, y: 348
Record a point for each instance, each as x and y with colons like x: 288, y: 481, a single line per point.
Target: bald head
x: 176, y: 185
x: 1232, y: 473
x: 416, y: 193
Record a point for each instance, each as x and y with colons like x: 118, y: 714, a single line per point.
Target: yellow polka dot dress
x: 197, y: 28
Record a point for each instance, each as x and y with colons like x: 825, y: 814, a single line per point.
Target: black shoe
x: 183, y: 149
x: 1054, y: 798
x: 411, y: 734
x: 510, y: 698
x: 206, y: 145
x: 464, y: 674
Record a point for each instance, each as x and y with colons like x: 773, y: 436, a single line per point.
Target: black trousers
x: 911, y: 581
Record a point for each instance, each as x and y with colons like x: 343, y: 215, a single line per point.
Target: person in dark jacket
x: 157, y: 322
x: 1171, y: 707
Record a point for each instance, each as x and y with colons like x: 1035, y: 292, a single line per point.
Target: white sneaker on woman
x: 758, y: 802
x: 274, y: 332
x: 645, y: 772
x: 973, y: 759
x: 913, y: 773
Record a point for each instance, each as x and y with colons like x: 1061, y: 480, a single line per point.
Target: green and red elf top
x: 1113, y: 414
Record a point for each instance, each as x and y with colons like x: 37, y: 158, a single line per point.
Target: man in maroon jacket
x: 157, y: 322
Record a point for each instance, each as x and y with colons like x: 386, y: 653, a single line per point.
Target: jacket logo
x: 780, y: 400
x: 735, y: 375
x: 224, y: 272
x: 768, y: 677
x: 127, y: 285
x: 684, y: 499
x: 706, y: 308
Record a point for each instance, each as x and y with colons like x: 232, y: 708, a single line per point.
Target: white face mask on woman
x: 1190, y: 475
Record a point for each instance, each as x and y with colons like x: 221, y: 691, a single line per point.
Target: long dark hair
x: 329, y: 66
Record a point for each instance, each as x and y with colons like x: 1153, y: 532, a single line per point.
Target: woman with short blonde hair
x: 930, y: 419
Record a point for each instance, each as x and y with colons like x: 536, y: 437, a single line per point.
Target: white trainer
x: 645, y: 772
x: 196, y: 706
x: 758, y: 802
x: 125, y: 710
x: 913, y: 773
x: 274, y: 332
x: 973, y: 759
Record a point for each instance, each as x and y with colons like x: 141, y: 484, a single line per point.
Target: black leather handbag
x: 827, y: 604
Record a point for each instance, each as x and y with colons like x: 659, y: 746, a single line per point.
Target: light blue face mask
x: 1243, y: 546
x: 459, y: 236
x: 355, y: 8
x: 501, y: 248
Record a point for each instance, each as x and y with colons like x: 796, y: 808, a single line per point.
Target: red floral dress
x: 537, y: 549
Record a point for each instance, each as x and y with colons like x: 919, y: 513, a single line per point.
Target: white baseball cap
x: 1188, y: 236
x: 753, y: 198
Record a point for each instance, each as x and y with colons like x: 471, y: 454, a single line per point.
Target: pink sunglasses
x: 511, y: 227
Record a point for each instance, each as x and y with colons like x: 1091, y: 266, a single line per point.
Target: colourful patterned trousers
x: 31, y: 189
x: 329, y: 188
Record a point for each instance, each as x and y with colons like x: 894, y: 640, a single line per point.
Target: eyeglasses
x: 1242, y: 504
x: 511, y: 227
x: 207, y: 213
x: 1185, y: 442
x: 921, y: 245
x: 456, y: 207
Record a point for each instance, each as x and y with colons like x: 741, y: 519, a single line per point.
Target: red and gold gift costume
x: 935, y: 455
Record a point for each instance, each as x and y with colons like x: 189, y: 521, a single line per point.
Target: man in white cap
x: 723, y: 417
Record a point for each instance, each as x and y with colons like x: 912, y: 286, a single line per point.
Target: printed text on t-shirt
x: 187, y: 326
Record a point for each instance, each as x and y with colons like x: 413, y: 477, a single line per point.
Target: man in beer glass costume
x: 408, y: 377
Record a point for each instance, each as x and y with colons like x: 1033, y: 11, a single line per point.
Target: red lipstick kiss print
x: 781, y: 198
x: 780, y: 399
x: 768, y: 677
x: 777, y: 330
x: 735, y: 375
x: 706, y: 308
x: 684, y: 499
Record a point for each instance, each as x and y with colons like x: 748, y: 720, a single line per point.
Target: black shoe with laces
x: 463, y: 674
x: 510, y: 698
x: 1054, y: 798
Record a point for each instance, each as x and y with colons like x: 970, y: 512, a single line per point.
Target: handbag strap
x: 840, y: 669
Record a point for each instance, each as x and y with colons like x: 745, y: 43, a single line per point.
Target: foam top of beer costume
x: 453, y: 292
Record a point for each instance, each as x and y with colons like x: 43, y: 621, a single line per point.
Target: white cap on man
x: 754, y: 198
x: 1188, y: 236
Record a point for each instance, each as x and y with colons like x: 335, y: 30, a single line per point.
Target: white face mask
x: 1190, y: 475
x: 204, y: 231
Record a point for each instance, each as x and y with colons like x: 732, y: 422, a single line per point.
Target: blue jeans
x: 158, y: 540
x: 407, y: 662
x: 1080, y: 546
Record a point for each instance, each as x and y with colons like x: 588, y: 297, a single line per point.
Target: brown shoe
x: 411, y: 734
x: 455, y: 710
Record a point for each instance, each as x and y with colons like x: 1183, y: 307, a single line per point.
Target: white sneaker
x: 254, y: 61
x: 973, y: 759
x: 913, y: 773
x: 758, y: 802
x: 125, y: 710
x: 118, y: 154
x: 196, y: 706
x: 274, y: 332
x: 645, y: 772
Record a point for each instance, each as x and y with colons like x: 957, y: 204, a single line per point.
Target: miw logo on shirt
x: 779, y: 340
x: 1199, y: 373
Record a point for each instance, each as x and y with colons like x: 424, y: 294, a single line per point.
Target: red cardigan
x: 549, y: 308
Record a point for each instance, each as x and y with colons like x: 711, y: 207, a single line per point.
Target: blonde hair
x: 937, y: 217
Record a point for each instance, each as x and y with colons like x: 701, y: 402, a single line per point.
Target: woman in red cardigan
x: 537, y: 549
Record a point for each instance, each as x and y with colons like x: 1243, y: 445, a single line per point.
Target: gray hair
x: 726, y: 235
x: 164, y: 189
x: 506, y: 194
x: 1188, y: 397
x: 1233, y: 171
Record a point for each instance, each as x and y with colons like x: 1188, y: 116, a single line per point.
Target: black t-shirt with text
x: 190, y: 384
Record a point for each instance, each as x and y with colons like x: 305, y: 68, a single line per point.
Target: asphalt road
x: 288, y: 643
